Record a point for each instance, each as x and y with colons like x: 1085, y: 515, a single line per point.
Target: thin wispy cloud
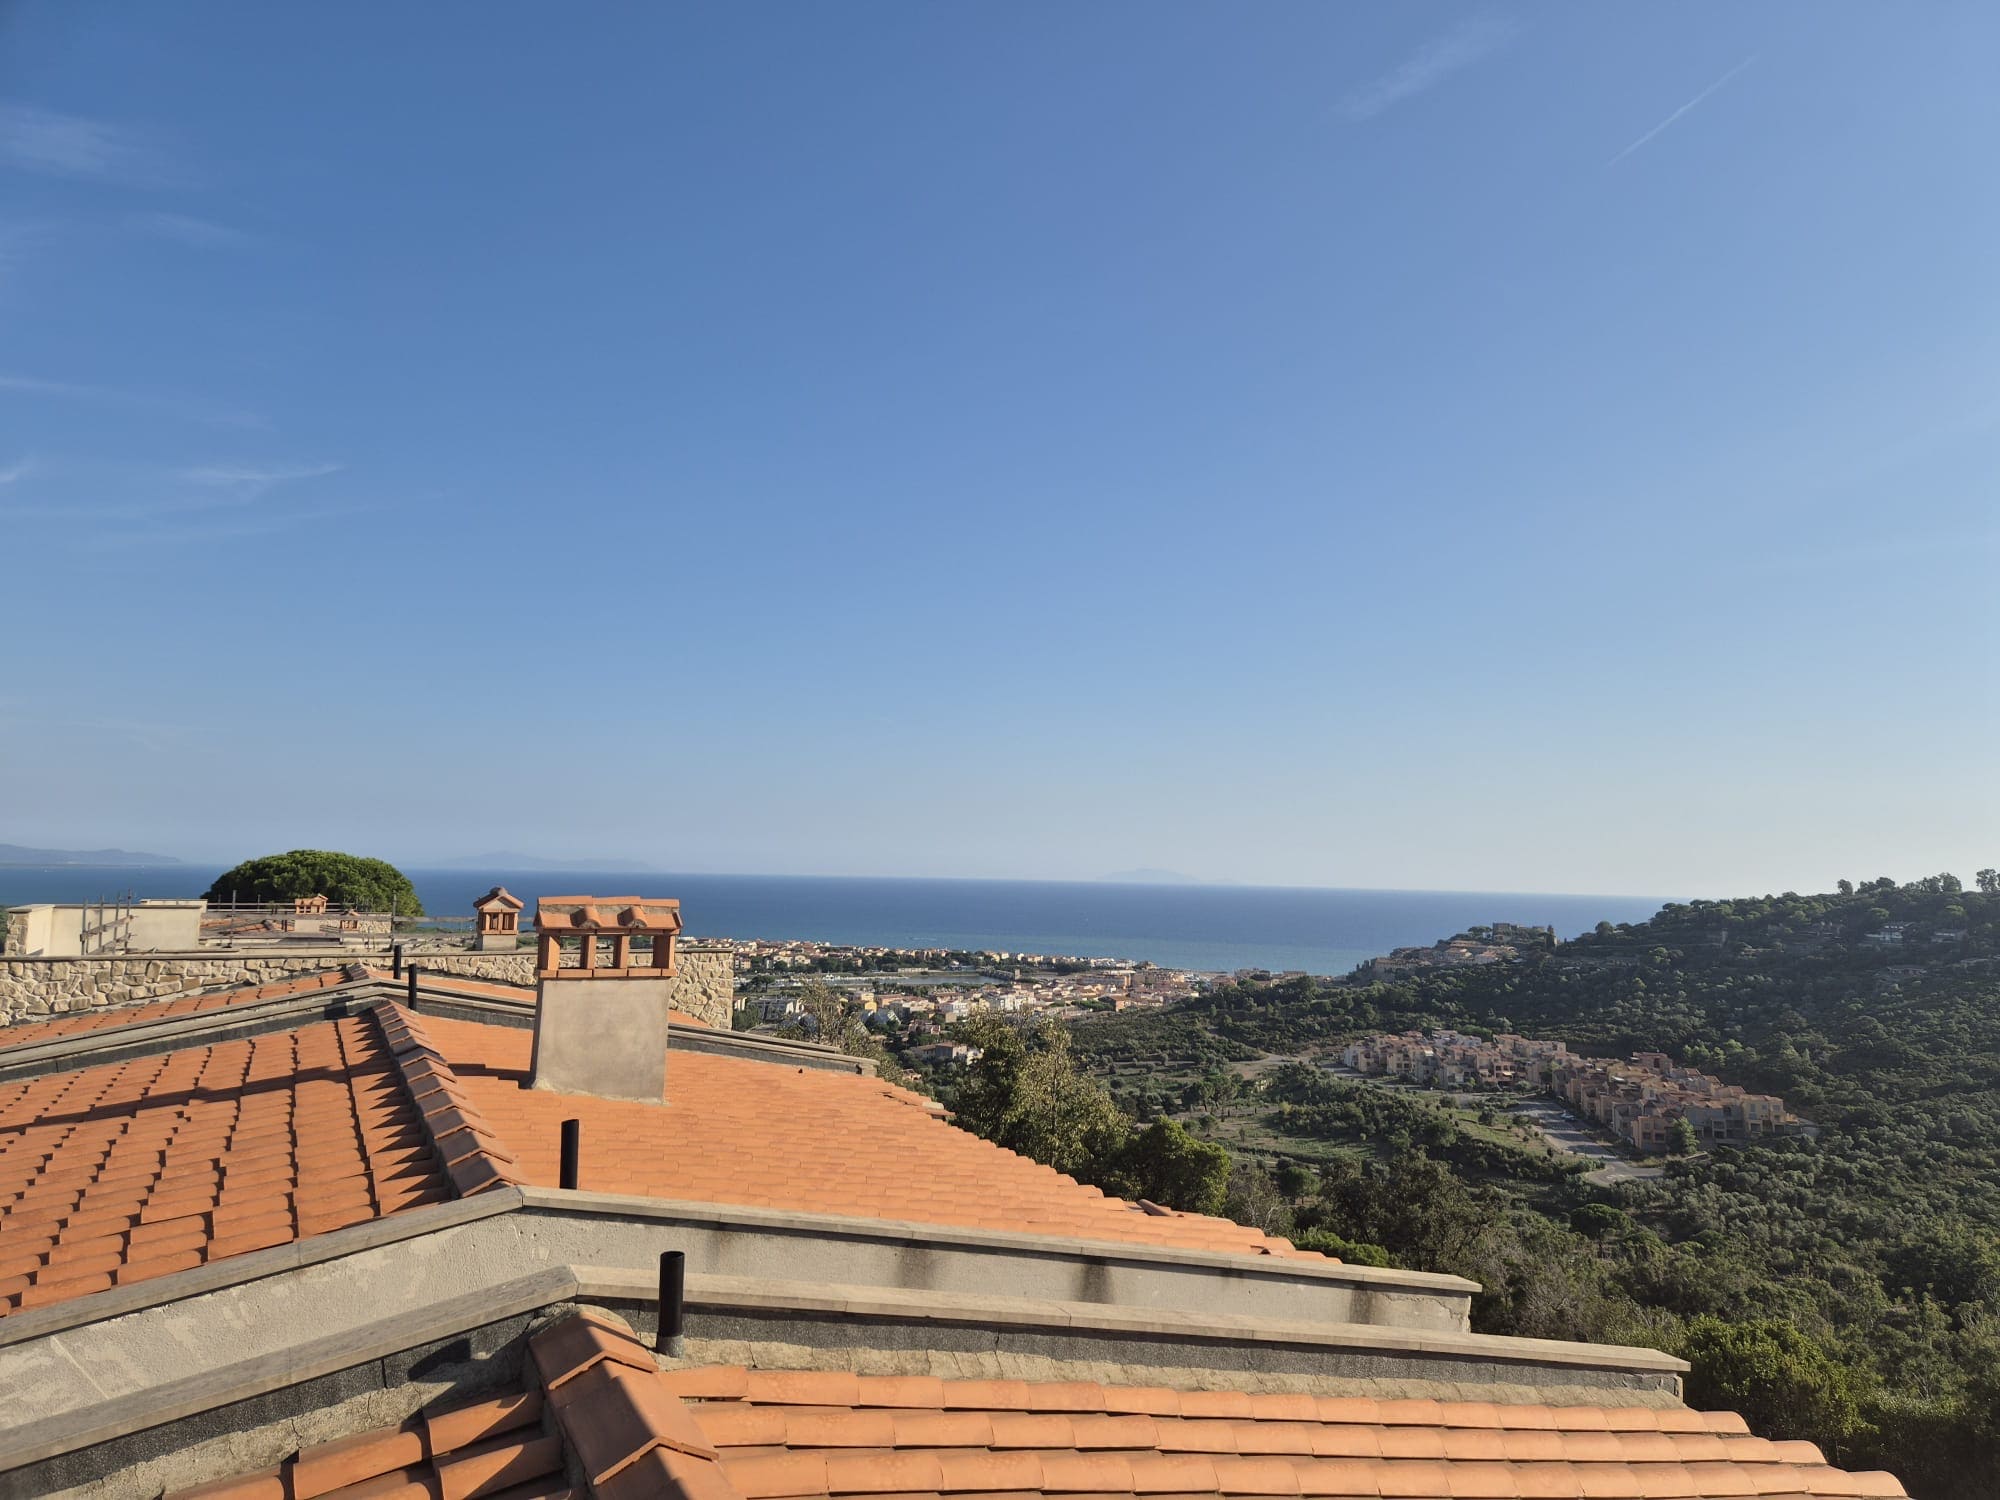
x: 35, y: 385
x: 257, y: 477
x: 72, y: 390
x: 21, y: 717
x: 59, y: 145
x: 203, y: 494
x: 1673, y: 118
x: 187, y: 229
x: 1430, y: 65
x: 15, y: 471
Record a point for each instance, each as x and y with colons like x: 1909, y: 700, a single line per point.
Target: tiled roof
x: 806, y: 1433
x: 595, y: 1403
x: 493, y: 1446
x: 125, y: 1171
x: 804, y: 1140
x: 80, y: 1023
x: 458, y: 1133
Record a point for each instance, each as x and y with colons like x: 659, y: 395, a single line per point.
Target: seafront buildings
x: 1639, y: 1101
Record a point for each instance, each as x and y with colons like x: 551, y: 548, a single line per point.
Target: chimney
x: 604, y: 969
x: 498, y: 915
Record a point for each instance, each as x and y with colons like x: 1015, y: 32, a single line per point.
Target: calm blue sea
x: 1178, y: 926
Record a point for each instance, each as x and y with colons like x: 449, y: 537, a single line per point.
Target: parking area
x: 1567, y: 1134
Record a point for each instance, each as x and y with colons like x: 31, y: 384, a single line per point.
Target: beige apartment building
x: 1639, y: 1101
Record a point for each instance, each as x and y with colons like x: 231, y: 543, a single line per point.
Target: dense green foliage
x: 1026, y: 1093
x: 1844, y: 1289
x: 1315, y: 1105
x: 344, y: 879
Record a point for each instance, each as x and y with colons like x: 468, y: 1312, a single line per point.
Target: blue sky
x: 1434, y: 446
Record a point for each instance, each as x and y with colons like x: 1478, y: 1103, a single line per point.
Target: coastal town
x: 912, y: 997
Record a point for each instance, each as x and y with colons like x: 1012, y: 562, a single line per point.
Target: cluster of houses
x: 1640, y: 1101
x: 755, y: 954
x: 1482, y: 945
x: 1906, y: 935
x: 916, y: 1015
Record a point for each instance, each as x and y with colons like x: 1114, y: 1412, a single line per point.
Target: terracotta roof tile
x: 474, y: 1158
x: 567, y: 1349
x: 460, y: 1424
x: 723, y: 1433
x: 802, y: 1139
x: 130, y: 1170
x: 110, y: 1017
x: 265, y: 1484
x: 666, y: 1473
x: 327, y: 1467
x: 493, y: 1446
x: 613, y: 1415
x: 499, y: 1465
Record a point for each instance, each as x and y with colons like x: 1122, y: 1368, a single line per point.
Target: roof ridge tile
x: 566, y: 1349
x: 473, y: 1158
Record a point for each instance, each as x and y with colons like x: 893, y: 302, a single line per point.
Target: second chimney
x: 604, y: 970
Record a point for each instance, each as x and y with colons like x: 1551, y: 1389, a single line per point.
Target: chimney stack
x: 499, y: 921
x: 604, y: 971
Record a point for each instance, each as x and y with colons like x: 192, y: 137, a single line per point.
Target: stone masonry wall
x: 704, y: 984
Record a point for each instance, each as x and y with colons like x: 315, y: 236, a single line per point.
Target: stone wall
x: 703, y: 986
x: 705, y: 982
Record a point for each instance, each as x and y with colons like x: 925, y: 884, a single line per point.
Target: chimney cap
x: 588, y: 914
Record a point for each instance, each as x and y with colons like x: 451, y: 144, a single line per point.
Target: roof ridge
x: 628, y: 1429
x: 471, y: 1151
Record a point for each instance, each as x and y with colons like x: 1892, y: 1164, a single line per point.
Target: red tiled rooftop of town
x: 593, y: 1402
x: 130, y: 1170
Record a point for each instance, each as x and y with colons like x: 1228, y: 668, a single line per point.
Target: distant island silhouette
x: 508, y: 860
x: 22, y: 854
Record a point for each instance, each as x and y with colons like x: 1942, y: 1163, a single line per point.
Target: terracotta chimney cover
x: 601, y: 1018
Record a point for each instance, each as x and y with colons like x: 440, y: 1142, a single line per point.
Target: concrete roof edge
x: 1283, y: 1267
x: 624, y: 1284
x: 197, y: 1281
x: 119, y: 1416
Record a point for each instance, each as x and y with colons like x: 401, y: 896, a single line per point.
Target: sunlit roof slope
x: 593, y: 1406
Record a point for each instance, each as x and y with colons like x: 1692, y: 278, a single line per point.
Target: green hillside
x: 1845, y: 1289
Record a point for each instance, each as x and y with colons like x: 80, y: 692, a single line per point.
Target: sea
x: 1213, y: 928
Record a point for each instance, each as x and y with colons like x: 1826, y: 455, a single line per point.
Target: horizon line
x: 575, y: 867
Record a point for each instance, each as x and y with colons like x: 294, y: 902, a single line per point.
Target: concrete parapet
x: 768, y: 1244
x: 137, y: 1387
